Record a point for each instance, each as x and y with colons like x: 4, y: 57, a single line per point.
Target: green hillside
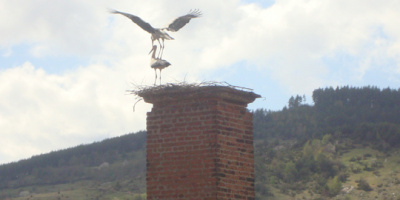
x: 345, y: 146
x: 112, y: 167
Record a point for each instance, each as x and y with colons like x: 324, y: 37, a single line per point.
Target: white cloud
x: 291, y: 39
x: 43, y: 112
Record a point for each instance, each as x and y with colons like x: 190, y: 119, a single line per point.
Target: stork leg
x: 160, y: 76
x: 161, y: 48
x: 155, y: 80
x: 152, y: 44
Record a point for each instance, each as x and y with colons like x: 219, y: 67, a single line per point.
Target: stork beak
x: 151, y: 51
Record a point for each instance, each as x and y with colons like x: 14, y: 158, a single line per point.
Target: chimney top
x: 172, y: 92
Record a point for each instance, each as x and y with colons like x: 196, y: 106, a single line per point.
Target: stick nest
x: 139, y: 90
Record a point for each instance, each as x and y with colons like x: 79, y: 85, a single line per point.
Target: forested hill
x: 125, y: 154
x: 311, y: 152
x: 360, y: 113
x: 298, y: 149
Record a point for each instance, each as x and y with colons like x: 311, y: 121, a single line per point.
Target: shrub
x: 334, y: 186
x: 363, y: 185
x: 343, y: 177
x: 262, y: 189
x: 367, y: 155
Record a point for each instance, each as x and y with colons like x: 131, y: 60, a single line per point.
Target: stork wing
x: 180, y: 22
x: 144, y: 25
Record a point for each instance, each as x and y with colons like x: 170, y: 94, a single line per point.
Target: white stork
x: 159, y: 33
x: 157, y: 63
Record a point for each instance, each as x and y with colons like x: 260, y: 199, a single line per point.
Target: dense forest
x: 79, y: 163
x: 358, y: 113
x: 300, y: 148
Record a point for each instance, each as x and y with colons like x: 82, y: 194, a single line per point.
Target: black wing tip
x: 195, y: 12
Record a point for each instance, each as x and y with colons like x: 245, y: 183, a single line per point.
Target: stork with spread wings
x: 159, y: 34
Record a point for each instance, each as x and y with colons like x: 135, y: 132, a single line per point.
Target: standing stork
x: 159, y: 33
x: 157, y: 63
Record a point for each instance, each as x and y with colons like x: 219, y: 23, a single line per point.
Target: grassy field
x: 84, y: 190
x: 384, y: 180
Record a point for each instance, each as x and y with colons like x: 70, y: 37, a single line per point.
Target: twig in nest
x: 136, y: 103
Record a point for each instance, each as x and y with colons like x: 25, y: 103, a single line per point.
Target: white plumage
x: 157, y: 63
x: 159, y: 33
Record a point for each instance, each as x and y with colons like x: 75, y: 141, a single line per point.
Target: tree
x: 290, y: 172
x: 334, y: 186
x: 295, y: 102
x: 327, y: 138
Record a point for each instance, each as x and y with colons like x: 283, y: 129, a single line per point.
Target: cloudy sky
x: 65, y: 64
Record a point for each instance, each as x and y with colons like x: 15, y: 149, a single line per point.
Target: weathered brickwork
x: 200, y: 145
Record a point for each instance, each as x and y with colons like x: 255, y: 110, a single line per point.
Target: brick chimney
x: 199, y: 143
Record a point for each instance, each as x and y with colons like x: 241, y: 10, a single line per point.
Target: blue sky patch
x: 19, y: 54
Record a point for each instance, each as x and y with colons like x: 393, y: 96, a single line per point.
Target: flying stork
x: 159, y: 33
x: 157, y: 63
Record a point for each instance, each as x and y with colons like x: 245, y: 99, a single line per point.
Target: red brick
x: 199, y: 144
